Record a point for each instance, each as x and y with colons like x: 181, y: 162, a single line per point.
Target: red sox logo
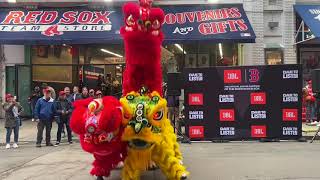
x: 52, y: 23
x: 254, y: 75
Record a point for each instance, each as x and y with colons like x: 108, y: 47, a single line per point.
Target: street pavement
x: 205, y: 161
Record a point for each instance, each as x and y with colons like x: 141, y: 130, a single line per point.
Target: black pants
x: 60, y: 129
x: 41, y: 125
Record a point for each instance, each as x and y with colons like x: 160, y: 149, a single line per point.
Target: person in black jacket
x: 32, y: 100
x: 84, y: 93
x: 64, y: 110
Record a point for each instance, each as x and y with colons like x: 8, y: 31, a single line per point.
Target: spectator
x: 69, y: 98
x: 68, y: 94
x: 12, y: 119
x: 63, y: 109
x: 44, y: 113
x: 32, y: 100
x: 100, y: 82
x: 173, y: 109
x: 310, y: 103
x: 76, y: 95
x: 99, y: 94
x: 91, y: 93
x: 106, y: 86
x: 45, y: 87
x: 85, y: 93
x: 116, y: 88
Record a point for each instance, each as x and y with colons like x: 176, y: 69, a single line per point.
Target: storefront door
x: 11, y: 79
x: 23, y: 86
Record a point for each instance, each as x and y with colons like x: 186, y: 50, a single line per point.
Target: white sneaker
x: 32, y: 119
x: 120, y: 165
x: 15, y: 145
x: 8, y: 146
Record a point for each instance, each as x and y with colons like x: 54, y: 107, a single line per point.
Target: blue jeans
x: 15, y: 131
x: 311, y: 111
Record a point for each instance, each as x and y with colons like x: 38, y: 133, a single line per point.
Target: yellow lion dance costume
x: 147, y: 129
x: 150, y: 137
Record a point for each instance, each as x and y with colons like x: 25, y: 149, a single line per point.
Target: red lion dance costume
x: 98, y: 124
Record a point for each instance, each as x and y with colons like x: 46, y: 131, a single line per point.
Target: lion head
x: 144, y: 118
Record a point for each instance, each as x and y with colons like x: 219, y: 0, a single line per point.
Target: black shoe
x: 57, y: 144
x: 99, y: 178
x: 50, y: 144
x: 70, y: 142
x: 38, y: 145
x: 183, y: 177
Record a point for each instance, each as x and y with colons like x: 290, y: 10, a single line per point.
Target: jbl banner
x: 243, y: 102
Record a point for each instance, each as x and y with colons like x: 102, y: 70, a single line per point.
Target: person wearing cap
x: 310, y: 103
x: 99, y: 94
x: 52, y: 91
x: 44, y: 114
x: 64, y: 110
x: 32, y: 100
x: 13, y: 110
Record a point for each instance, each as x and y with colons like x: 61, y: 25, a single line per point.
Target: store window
x: 210, y: 54
x: 47, y: 61
x: 86, y: 65
x: 102, y: 64
x: 310, y: 58
x: 274, y: 56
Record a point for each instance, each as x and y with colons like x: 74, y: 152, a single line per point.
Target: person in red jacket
x: 310, y: 103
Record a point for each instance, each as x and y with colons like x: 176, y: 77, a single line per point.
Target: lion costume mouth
x: 139, y: 144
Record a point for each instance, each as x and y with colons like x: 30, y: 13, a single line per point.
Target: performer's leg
x: 103, y: 165
x: 129, y: 172
x: 169, y: 164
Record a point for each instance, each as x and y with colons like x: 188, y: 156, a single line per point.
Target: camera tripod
x: 316, y: 134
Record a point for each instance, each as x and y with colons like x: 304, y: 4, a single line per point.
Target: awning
x: 310, y: 15
x: 214, y: 23
x: 59, y: 26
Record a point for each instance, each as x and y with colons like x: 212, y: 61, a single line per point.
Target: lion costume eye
x: 158, y: 115
x: 156, y: 25
x: 130, y: 21
x: 130, y: 97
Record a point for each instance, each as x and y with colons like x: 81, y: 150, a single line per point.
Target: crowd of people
x: 46, y: 108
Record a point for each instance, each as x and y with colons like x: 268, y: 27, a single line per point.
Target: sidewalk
x: 205, y: 161
x: 27, y: 133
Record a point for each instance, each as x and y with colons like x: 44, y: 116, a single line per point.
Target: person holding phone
x: 13, y: 109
